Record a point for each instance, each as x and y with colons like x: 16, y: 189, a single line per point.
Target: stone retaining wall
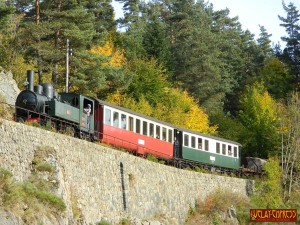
x: 107, y: 183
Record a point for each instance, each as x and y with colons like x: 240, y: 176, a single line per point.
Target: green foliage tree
x: 8, y: 26
x: 81, y: 23
x: 291, y: 53
x: 229, y: 127
x: 259, y: 117
x: 269, y: 189
x: 148, y: 80
x: 276, y: 79
x: 264, y: 43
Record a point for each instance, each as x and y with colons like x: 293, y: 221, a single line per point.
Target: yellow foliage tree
x: 177, y: 108
x: 116, y: 56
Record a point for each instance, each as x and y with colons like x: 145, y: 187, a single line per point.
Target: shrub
x: 152, y: 158
x: 125, y: 221
x: 219, y: 202
x: 103, y: 222
x: 269, y: 189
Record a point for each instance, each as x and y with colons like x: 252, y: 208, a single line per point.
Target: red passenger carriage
x: 130, y: 130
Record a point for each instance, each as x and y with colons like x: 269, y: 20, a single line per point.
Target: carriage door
x: 177, y: 145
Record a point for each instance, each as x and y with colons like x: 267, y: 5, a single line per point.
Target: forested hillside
x: 180, y: 61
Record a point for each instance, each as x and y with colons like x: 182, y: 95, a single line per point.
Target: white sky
x: 251, y: 13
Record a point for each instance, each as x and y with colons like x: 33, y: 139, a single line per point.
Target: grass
x: 44, y: 167
x: 30, y: 200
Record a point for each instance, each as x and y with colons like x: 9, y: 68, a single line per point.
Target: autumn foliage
x: 116, y: 57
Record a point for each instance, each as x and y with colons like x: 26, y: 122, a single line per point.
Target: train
x: 97, y: 120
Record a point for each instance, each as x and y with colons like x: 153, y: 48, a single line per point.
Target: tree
x: 276, y: 79
x: 290, y: 124
x: 259, y: 117
x: 264, y: 43
x: 8, y: 27
x: 80, y: 22
x: 269, y: 189
x: 292, y: 51
x: 148, y: 79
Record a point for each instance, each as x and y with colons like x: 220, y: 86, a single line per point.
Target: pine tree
x: 292, y: 51
x: 45, y: 42
x: 7, y: 36
x: 264, y: 43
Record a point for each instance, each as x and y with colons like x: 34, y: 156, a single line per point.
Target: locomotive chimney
x: 30, y: 79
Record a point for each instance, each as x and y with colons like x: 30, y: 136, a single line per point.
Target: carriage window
x: 235, y: 151
x: 200, y: 143
x: 186, y: 140
x: 157, y: 132
x: 123, y: 121
x: 151, y: 130
x: 138, y: 126
x: 223, y: 149
x: 218, y: 147
x: 229, y: 150
x: 193, y: 142
x: 107, y: 116
x: 170, y: 136
x: 206, y: 145
x: 164, y: 133
x: 130, y: 124
x: 116, y: 119
x: 145, y: 128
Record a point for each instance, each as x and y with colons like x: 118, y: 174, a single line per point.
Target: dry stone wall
x: 109, y: 184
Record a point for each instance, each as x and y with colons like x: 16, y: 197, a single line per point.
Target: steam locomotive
x: 124, y: 128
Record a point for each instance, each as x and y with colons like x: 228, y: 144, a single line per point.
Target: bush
x: 218, y: 203
x: 269, y: 189
x: 103, y: 222
x: 125, y: 221
x: 152, y: 158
